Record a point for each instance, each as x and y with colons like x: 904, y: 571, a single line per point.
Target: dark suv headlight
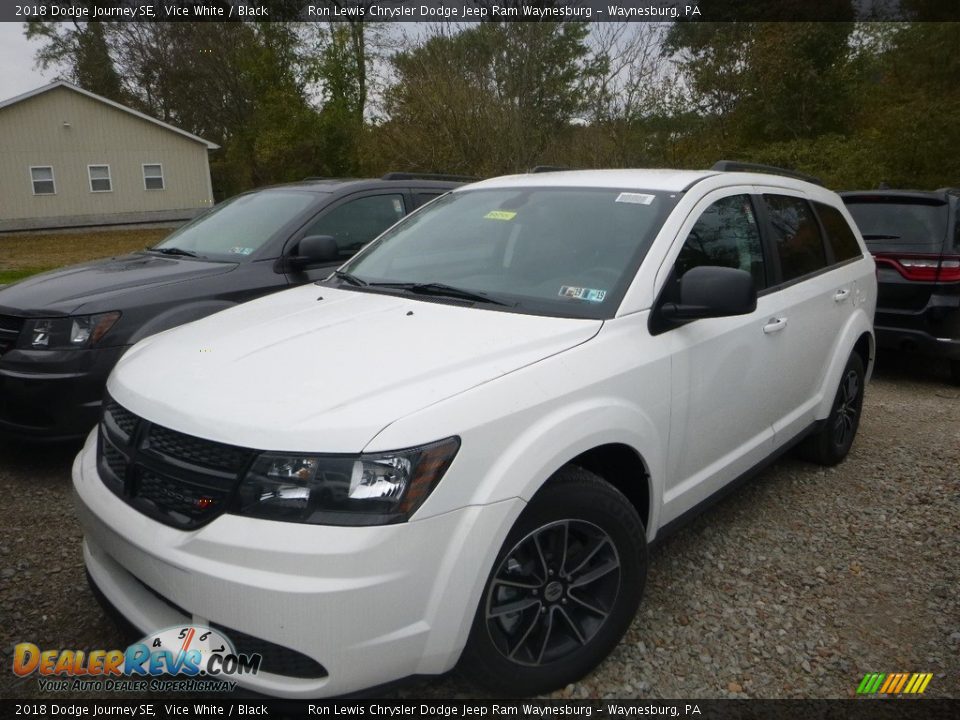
x: 66, y: 333
x: 368, y: 489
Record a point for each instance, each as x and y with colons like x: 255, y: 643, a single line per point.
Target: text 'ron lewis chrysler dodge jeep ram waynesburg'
x: 456, y: 449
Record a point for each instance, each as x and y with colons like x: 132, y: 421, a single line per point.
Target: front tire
x: 955, y: 371
x: 563, y: 589
x: 832, y: 442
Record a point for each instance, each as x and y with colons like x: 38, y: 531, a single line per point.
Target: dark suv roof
x: 348, y: 185
x: 943, y: 194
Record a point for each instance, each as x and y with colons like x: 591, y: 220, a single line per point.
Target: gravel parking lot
x: 795, y: 586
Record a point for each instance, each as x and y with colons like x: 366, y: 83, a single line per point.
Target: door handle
x: 775, y: 325
x: 841, y: 295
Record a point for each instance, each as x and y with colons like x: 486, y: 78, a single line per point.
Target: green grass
x: 26, y: 254
x: 10, y: 276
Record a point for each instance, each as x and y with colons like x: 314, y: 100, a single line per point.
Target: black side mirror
x: 312, y: 250
x: 709, y: 291
x: 317, y: 249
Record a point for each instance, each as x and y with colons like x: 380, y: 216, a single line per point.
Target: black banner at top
x: 478, y: 10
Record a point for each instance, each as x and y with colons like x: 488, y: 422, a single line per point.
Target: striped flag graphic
x: 894, y: 683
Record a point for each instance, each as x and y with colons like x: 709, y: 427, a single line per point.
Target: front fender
x: 519, y: 429
x: 545, y: 446
x: 179, y: 315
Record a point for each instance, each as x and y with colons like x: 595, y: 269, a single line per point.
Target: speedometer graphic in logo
x: 181, y: 650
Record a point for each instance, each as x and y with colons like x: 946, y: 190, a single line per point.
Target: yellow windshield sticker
x: 500, y: 215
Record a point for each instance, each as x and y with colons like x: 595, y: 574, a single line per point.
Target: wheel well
x: 622, y: 467
x: 863, y: 349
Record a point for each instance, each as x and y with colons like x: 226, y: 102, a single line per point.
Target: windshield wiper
x: 349, y: 279
x: 870, y: 236
x: 174, y: 251
x: 442, y: 290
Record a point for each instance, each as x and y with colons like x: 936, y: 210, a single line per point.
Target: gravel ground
x: 795, y: 586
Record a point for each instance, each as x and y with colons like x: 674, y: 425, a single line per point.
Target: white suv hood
x: 295, y: 372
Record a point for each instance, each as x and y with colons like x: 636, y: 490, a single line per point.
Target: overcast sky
x: 17, y: 74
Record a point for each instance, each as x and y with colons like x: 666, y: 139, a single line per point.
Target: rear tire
x: 563, y: 589
x: 955, y: 371
x: 829, y: 445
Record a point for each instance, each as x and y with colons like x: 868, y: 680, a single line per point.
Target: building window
x: 99, y: 178
x: 153, y: 177
x: 42, y: 178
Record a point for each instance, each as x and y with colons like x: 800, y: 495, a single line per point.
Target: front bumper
x: 53, y: 395
x: 370, y: 605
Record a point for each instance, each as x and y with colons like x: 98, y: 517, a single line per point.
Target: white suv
x: 456, y: 449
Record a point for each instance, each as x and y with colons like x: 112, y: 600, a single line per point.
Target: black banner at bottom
x: 861, y: 709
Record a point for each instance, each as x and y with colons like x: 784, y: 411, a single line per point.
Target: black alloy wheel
x: 563, y: 588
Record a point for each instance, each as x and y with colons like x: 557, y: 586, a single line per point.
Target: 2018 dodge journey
x: 455, y: 450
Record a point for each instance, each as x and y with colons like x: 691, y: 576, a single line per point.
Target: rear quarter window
x: 839, y: 235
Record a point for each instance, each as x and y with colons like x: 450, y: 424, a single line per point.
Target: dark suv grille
x: 10, y: 328
x: 178, y: 479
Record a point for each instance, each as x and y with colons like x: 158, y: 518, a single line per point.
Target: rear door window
x: 898, y: 224
x: 422, y: 197
x: 796, y: 235
x: 839, y: 235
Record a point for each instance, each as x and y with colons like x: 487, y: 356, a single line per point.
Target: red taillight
x: 926, y: 268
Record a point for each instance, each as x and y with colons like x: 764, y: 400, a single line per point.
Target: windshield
x: 891, y: 225
x: 238, y: 227
x: 569, y: 252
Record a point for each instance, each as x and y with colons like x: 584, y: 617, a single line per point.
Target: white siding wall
x: 32, y: 132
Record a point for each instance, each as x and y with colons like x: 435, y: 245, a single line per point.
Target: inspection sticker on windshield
x: 635, y: 198
x: 241, y: 250
x: 579, y: 293
x: 500, y: 215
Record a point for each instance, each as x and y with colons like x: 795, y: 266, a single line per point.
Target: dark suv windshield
x: 238, y: 227
x: 891, y: 224
x: 569, y: 252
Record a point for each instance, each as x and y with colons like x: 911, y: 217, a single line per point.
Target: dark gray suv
x: 62, y: 332
x: 915, y: 239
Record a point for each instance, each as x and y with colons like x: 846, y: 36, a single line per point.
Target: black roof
x: 348, y: 185
x: 737, y: 166
x: 942, y: 195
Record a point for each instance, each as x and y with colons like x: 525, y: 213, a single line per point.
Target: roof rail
x: 737, y: 166
x: 547, y: 168
x: 428, y: 176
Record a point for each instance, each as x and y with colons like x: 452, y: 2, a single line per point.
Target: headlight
x: 63, y: 333
x: 374, y: 489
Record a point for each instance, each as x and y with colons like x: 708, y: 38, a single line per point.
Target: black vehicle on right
x: 915, y: 239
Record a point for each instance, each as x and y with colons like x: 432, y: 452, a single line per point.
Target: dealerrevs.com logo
x: 188, y: 658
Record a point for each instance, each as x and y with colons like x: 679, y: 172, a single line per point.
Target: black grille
x: 277, y: 659
x: 125, y: 420
x: 178, y: 479
x: 194, y: 450
x: 115, y: 460
x: 188, y: 501
x: 10, y: 328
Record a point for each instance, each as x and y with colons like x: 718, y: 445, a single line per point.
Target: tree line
x: 854, y: 103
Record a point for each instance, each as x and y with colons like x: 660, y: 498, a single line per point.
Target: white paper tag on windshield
x: 635, y: 198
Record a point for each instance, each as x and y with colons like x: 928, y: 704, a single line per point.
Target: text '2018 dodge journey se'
x: 456, y: 449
